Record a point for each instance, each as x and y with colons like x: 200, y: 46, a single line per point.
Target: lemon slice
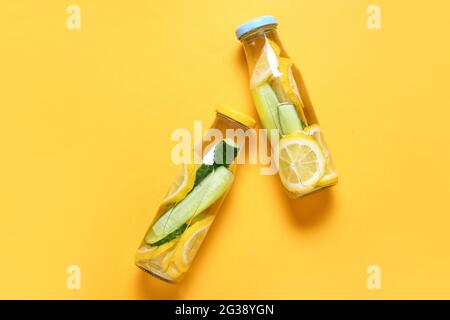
x: 153, y: 253
x: 167, y: 259
x: 274, y: 46
x: 330, y: 177
x: 173, y: 272
x: 301, y: 162
x: 181, y: 185
x: 189, y: 243
x: 267, y: 63
x: 144, y: 253
x: 289, y: 87
x: 164, y: 248
x: 288, y: 81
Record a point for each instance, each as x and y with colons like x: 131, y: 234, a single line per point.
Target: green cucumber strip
x: 266, y: 102
x: 224, y: 154
x: 208, y: 191
x: 169, y: 237
x: 289, y: 120
x: 222, y: 178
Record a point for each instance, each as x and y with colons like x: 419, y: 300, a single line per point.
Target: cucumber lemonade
x: 187, y: 212
x: 283, y: 105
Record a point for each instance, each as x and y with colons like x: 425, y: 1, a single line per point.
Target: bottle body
x: 284, y: 106
x: 188, y: 210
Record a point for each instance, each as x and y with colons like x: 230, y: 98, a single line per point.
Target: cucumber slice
x: 208, y: 191
x: 289, y: 120
x: 266, y: 102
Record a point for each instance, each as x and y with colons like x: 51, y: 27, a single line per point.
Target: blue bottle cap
x: 254, y: 24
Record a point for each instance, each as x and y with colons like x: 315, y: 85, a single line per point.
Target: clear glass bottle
x: 191, y: 204
x: 283, y: 105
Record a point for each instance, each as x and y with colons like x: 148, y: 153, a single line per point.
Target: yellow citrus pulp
x: 330, y: 177
x: 301, y: 162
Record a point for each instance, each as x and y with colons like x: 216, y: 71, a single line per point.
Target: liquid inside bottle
x: 192, y: 202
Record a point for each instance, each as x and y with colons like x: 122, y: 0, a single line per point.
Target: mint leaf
x: 224, y: 154
x: 202, y: 172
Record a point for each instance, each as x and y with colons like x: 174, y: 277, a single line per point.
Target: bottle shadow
x: 241, y: 60
x: 311, y: 210
x: 154, y: 289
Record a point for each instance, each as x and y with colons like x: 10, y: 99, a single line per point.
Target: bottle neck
x: 222, y: 122
x: 255, y: 41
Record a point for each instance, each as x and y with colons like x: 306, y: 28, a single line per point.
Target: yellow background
x: 85, y: 124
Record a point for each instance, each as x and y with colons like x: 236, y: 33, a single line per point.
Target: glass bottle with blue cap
x: 285, y: 110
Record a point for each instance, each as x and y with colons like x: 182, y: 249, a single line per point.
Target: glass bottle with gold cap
x: 191, y: 204
x: 283, y: 105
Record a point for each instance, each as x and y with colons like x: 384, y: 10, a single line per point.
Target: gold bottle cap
x: 240, y: 117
